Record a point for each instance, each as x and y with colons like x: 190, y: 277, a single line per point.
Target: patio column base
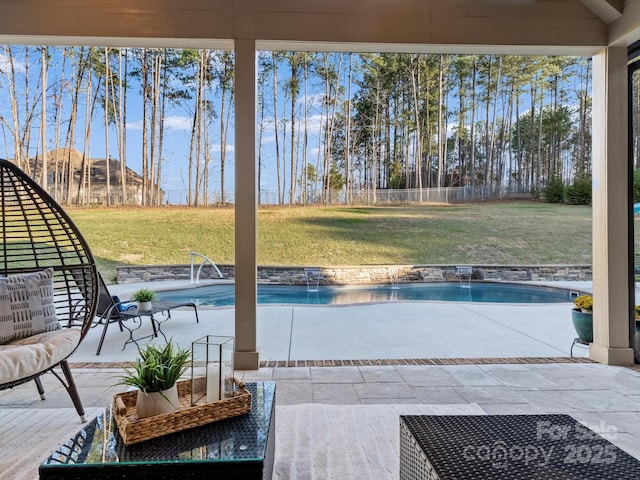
x: 610, y: 355
x: 249, y: 361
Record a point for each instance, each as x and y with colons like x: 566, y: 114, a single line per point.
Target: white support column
x: 610, y: 249
x: 246, y: 355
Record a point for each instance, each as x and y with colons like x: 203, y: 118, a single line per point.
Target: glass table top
x: 238, y: 438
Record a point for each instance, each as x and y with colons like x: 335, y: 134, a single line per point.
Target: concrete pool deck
x: 387, y: 331
x: 341, y: 422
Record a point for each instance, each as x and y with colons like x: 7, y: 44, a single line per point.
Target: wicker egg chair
x: 37, y: 235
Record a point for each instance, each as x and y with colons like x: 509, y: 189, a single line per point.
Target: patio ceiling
x: 496, y: 26
x: 607, y: 10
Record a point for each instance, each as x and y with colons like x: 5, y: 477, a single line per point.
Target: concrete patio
x: 289, y: 333
x: 341, y: 422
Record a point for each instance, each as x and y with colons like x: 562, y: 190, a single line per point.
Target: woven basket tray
x: 135, y: 430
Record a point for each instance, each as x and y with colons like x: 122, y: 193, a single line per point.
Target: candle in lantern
x: 213, y: 382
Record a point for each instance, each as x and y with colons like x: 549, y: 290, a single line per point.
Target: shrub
x: 535, y: 192
x: 554, y: 191
x: 636, y: 185
x: 579, y: 192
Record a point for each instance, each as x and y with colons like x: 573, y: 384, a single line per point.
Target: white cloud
x: 314, y: 99
x: 171, y: 122
x: 216, y: 147
x: 266, y: 139
x: 5, y: 65
x: 137, y: 125
x: 176, y: 122
x: 313, y: 122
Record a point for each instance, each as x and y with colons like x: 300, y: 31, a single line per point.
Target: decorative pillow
x: 26, y: 305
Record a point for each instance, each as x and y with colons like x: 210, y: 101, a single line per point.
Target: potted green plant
x: 155, y: 375
x: 582, y: 317
x: 144, y: 297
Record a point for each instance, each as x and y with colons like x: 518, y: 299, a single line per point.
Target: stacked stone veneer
x: 364, y: 274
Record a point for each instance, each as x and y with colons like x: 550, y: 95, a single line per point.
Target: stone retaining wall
x: 364, y: 274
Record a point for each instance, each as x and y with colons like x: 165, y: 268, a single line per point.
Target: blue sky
x: 178, y: 120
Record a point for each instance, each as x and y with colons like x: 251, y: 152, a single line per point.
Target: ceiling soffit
x: 536, y: 26
x: 607, y: 10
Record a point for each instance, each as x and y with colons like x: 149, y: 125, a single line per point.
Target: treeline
x: 327, y: 122
x: 416, y: 121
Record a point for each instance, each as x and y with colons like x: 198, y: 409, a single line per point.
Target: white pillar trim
x: 246, y: 355
x: 610, y: 207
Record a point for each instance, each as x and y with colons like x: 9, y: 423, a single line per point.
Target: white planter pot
x: 144, y: 306
x: 157, y: 403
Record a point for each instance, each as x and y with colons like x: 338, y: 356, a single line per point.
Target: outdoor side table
x: 509, y: 447
x: 240, y: 447
x: 158, y: 307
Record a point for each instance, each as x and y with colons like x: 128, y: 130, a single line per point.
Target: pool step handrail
x: 205, y: 260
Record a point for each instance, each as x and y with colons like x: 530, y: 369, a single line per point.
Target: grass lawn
x: 486, y: 233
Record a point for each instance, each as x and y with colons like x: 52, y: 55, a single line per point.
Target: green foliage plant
x: 144, y: 295
x: 158, y: 368
x: 554, y: 191
x: 579, y: 192
x: 584, y: 302
x: 636, y: 185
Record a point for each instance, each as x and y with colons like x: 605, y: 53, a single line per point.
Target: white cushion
x: 26, y: 305
x: 23, y: 357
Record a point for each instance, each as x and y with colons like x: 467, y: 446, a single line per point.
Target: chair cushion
x: 24, y: 357
x: 26, y: 305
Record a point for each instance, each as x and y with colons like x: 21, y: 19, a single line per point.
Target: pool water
x: 223, y: 295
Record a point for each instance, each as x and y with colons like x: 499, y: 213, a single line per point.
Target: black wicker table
x: 509, y: 447
x: 235, y: 448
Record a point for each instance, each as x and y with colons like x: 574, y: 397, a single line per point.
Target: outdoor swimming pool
x: 223, y: 295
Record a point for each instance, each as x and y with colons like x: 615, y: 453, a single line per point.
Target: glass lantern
x: 211, y: 369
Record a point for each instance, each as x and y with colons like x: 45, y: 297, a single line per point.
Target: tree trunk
x: 70, y: 140
x: 305, y: 167
x: 472, y: 133
x: 13, y: 99
x: 442, y: 134
x: 415, y: 88
x: 347, y: 140
x: 274, y: 60
x: 163, y: 97
x: 107, y: 82
x: 123, y: 126
x: 85, y: 178
x: 43, y: 121
x: 493, y: 123
x: 145, y: 127
x: 200, y: 110
x: 58, y: 126
x: 261, y: 100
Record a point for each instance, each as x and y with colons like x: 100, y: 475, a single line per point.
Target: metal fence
x: 366, y: 196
